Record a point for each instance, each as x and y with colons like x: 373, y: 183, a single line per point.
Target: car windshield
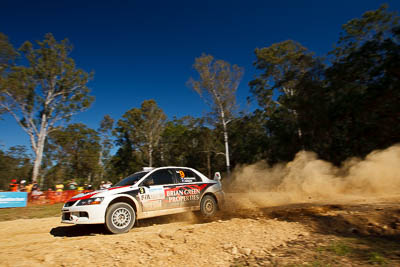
x: 131, y: 179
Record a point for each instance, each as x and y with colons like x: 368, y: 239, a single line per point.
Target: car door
x: 152, y: 194
x: 189, y: 187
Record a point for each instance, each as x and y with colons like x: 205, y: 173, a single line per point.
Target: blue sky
x: 145, y: 49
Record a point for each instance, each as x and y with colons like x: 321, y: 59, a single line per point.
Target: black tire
x: 120, y: 218
x: 208, y: 206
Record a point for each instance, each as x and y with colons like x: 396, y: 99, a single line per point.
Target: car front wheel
x: 120, y: 218
x: 208, y: 206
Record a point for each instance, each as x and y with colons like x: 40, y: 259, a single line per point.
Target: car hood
x: 101, y: 193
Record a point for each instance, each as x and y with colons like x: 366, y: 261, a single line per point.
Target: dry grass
x: 31, y: 211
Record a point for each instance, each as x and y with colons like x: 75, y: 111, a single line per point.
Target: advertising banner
x: 13, y: 199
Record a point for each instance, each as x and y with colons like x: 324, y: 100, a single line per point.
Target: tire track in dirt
x: 45, y: 242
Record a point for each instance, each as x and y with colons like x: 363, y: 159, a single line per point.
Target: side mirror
x: 217, y: 176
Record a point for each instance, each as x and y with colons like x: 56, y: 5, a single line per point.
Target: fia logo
x: 144, y: 197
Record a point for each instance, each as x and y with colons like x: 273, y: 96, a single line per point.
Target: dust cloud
x: 308, y: 178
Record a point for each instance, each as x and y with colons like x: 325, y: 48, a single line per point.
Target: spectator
x: 22, y: 186
x: 13, y: 185
x: 59, y: 187
x: 28, y: 187
x: 89, y: 187
x: 36, y: 193
x: 80, y: 189
x: 72, y: 185
x: 102, y: 185
x: 35, y: 186
x: 108, y: 184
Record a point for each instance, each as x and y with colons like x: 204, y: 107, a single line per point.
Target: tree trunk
x: 39, y: 150
x: 150, y: 155
x: 228, y: 165
x: 36, y: 167
x: 39, y: 156
x: 162, y: 153
x: 209, y: 164
x: 299, y: 132
x: 101, y: 164
x: 224, y: 123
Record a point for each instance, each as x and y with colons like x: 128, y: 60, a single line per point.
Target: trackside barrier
x: 52, y: 197
x: 13, y: 199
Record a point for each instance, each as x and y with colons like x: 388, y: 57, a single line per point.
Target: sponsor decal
x: 153, y: 193
x: 184, y: 193
x: 156, y: 192
x: 13, y: 199
x: 144, y: 197
x: 188, y: 180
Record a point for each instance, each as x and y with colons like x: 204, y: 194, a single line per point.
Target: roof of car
x: 149, y: 169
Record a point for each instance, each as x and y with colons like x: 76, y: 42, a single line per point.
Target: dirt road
x: 302, y: 234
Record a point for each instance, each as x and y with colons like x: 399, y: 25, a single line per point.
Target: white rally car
x: 145, y: 194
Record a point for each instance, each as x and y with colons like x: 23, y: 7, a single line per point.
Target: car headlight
x: 90, y: 201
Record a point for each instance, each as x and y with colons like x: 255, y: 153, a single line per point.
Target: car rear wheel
x: 120, y: 218
x: 208, y: 206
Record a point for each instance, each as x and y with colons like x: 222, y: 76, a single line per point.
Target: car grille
x: 66, y: 216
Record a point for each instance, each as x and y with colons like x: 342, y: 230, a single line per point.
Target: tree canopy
x: 45, y: 92
x: 340, y: 105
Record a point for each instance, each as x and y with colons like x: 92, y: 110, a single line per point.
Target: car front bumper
x: 88, y: 214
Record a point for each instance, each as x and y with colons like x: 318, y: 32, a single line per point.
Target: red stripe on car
x: 118, y: 187
x: 84, y: 197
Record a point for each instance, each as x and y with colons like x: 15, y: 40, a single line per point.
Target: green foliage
x: 14, y: 164
x: 140, y: 129
x: 44, y: 90
x: 339, y: 248
x: 51, y: 83
x: 125, y: 162
x: 217, y: 84
x: 374, y: 25
x: 7, y: 54
x: 249, y: 139
x: 376, y: 258
x: 282, y: 65
x: 342, y: 108
x: 187, y: 142
x: 76, y: 150
x: 345, y: 109
x: 105, y: 131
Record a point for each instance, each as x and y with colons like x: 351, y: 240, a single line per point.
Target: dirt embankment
x: 305, y: 234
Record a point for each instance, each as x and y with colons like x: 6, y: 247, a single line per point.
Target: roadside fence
x: 52, y: 197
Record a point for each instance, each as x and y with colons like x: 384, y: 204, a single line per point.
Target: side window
x: 164, y: 176
x: 186, y: 176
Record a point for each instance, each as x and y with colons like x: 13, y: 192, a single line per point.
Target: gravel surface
x: 257, y: 236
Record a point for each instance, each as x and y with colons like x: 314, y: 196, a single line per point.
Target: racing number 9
x: 182, y: 174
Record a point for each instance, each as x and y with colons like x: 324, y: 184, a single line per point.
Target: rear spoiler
x: 217, y: 176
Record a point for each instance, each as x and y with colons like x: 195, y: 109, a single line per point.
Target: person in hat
x: 13, y: 185
x: 22, y: 186
x: 102, y: 185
